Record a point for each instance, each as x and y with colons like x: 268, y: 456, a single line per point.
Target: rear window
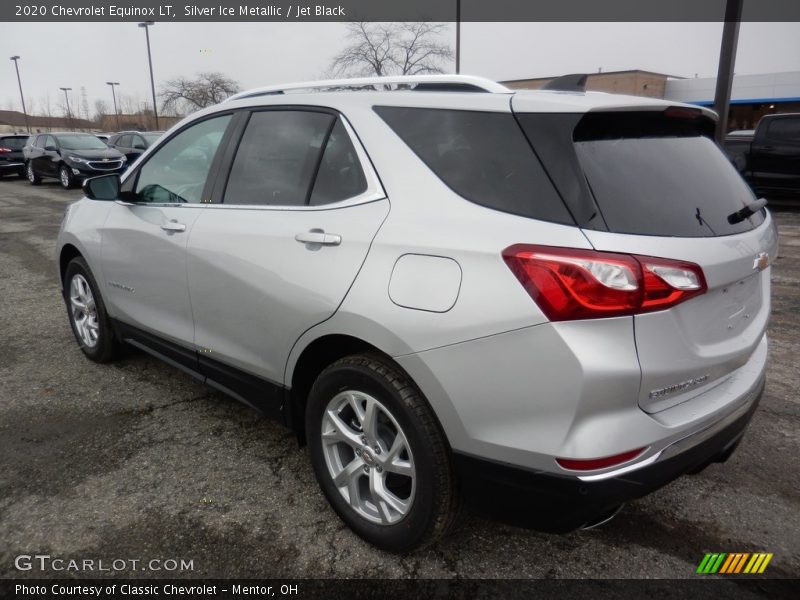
x: 656, y: 173
x: 482, y: 156
x: 13, y: 143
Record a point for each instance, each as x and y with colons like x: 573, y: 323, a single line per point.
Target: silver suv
x: 543, y: 303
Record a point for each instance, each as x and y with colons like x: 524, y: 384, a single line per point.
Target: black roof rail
x: 575, y: 82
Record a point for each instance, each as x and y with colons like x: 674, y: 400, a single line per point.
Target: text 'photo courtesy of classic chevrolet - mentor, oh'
x: 540, y: 304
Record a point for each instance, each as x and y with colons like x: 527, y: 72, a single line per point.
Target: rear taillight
x: 4, y: 150
x: 569, y: 284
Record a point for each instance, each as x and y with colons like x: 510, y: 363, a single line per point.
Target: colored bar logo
x: 734, y: 563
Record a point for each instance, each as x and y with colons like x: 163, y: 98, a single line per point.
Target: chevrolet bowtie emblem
x: 761, y: 262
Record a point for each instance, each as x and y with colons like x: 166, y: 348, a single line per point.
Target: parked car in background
x: 69, y: 157
x: 768, y: 157
x: 546, y: 304
x: 11, y: 160
x: 133, y: 143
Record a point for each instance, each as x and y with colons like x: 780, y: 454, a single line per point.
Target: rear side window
x: 277, y: 158
x: 652, y: 173
x: 482, y: 156
x: 785, y: 130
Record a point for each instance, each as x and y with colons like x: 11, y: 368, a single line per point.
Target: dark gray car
x: 11, y: 161
x: 70, y: 158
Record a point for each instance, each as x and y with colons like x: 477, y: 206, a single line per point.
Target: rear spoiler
x: 575, y: 82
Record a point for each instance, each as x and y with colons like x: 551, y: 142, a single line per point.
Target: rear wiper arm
x: 750, y: 209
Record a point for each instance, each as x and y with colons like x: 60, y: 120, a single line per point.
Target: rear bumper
x: 560, y: 503
x: 12, y: 166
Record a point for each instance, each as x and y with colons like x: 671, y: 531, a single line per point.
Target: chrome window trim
x: 373, y: 193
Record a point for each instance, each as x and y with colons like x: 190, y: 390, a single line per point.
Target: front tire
x: 379, y: 454
x: 33, y: 177
x: 65, y: 177
x: 87, y: 313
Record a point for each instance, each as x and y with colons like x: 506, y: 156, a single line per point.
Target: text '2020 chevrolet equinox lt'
x: 543, y: 303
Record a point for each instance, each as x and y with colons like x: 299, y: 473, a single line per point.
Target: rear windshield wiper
x: 750, y: 209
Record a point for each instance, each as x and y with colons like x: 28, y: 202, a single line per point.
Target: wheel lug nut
x: 378, y: 469
x: 363, y: 439
x: 377, y: 449
x: 358, y: 451
x: 366, y: 469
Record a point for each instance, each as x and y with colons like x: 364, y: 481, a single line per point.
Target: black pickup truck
x: 769, y: 156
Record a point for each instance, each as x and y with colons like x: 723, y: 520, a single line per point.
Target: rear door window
x: 482, y: 156
x: 339, y: 175
x: 278, y: 157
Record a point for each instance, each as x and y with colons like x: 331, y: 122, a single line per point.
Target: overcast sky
x: 73, y: 55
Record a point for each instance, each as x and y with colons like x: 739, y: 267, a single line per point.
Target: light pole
x: 458, y: 37
x: 146, y: 25
x: 21, y: 97
x: 66, y: 97
x: 114, y: 96
x: 727, y: 59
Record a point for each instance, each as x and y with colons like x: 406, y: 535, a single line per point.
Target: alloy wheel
x: 84, y: 311
x: 368, y: 457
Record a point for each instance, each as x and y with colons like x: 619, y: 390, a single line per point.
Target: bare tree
x: 47, y: 107
x: 100, y: 110
x: 393, y: 49
x: 182, y: 94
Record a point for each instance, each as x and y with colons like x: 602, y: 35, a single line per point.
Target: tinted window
x: 785, y: 130
x: 49, y: 140
x: 277, y: 158
x: 136, y: 140
x: 648, y: 173
x: 339, y: 175
x: 482, y: 156
x: 665, y: 186
x: 124, y: 141
x: 13, y: 143
x: 178, y: 170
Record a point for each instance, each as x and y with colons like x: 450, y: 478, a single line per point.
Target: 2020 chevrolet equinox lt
x: 544, y: 303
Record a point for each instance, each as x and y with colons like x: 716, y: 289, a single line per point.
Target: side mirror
x: 51, y: 149
x: 104, y: 187
x: 139, y: 147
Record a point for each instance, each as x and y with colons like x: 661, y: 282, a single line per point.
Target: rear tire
x: 32, y: 176
x: 87, y: 313
x: 389, y: 477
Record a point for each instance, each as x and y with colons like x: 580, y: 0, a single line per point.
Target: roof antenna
x: 575, y: 82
